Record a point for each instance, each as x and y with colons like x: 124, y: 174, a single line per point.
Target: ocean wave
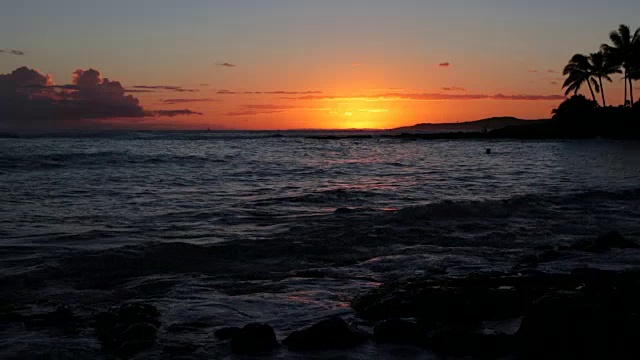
x: 96, y: 159
x: 503, y: 208
x: 323, y: 197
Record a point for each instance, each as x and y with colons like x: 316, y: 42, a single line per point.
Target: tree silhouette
x: 578, y: 72
x: 624, y: 52
x: 601, y: 68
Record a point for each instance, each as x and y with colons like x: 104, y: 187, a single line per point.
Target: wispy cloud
x: 268, y: 107
x: 164, y: 87
x: 550, y: 71
x: 252, y: 113
x: 12, y: 52
x: 277, y: 92
x: 532, y: 71
x: 225, y: 64
x: 453, y: 88
x: 182, y: 101
x: 433, y: 97
x: 172, y: 113
x: 444, y: 64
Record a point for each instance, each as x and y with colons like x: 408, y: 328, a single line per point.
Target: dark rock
x: 562, y: 324
x: 401, y: 331
x: 470, y: 342
x: 613, y: 240
x: 608, y: 241
x: 440, y: 302
x: 138, y: 337
x: 586, y: 314
x: 226, y: 333
x: 333, y: 333
x: 254, y: 339
x: 138, y: 312
x: 128, y: 330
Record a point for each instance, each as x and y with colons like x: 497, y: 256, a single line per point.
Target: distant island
x: 476, y: 125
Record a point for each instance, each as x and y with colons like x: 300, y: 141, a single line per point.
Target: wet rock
x: 333, y: 333
x: 440, y: 302
x: 226, y: 333
x: 471, y: 342
x: 608, y: 241
x: 254, y: 339
x: 128, y: 330
x: 401, y: 331
x: 562, y: 324
x: 613, y: 240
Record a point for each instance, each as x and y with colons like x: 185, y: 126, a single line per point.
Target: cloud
x: 226, y: 64
x: 268, y: 107
x: 252, y: 113
x: 172, y: 113
x: 135, y: 91
x: 12, y: 52
x: 181, y: 101
x: 554, y: 83
x: 276, y: 92
x: 31, y: 100
x: 164, y: 87
x: 532, y: 71
x: 552, y: 71
x: 444, y: 64
x: 453, y: 88
x: 434, y: 97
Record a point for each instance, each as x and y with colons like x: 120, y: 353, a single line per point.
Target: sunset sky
x: 275, y: 64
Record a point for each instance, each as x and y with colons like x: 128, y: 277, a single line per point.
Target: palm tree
x: 601, y: 68
x: 578, y: 72
x: 624, y: 52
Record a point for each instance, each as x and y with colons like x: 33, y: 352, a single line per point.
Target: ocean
x: 228, y: 228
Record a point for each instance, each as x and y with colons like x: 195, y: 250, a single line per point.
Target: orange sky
x: 331, y: 64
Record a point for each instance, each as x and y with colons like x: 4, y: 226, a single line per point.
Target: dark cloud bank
x: 30, y: 100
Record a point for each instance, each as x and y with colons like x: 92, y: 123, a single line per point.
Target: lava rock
x: 441, y: 302
x: 254, y: 339
x: 401, y: 331
x: 613, y: 240
x: 128, y: 330
x: 470, y: 342
x: 562, y: 324
x: 606, y: 242
x: 333, y: 333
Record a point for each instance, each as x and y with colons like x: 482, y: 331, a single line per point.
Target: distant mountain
x: 478, y: 125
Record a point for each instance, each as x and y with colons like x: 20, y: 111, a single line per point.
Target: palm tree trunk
x: 631, y: 90
x: 625, y: 88
x: 593, y: 95
x: 604, y: 102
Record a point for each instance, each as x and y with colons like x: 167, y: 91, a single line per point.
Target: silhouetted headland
x: 576, y: 118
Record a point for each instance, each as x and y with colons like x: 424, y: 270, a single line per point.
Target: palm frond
x: 596, y: 86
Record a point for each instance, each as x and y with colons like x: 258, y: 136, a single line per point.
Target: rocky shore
x: 527, y: 314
